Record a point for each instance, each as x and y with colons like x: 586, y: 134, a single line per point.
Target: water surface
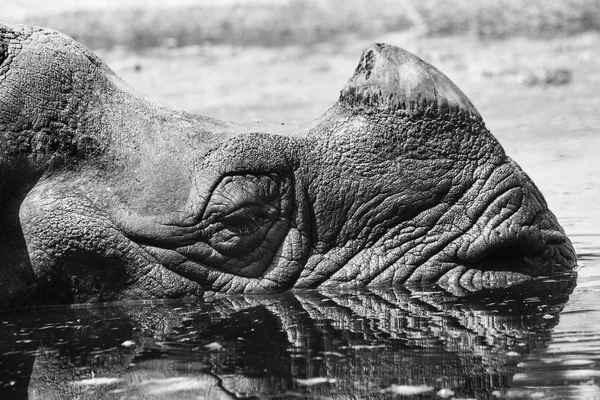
x: 530, y: 341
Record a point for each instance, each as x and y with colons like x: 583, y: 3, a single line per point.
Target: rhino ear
x: 390, y: 78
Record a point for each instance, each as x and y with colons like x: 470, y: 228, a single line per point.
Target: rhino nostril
x: 510, y: 257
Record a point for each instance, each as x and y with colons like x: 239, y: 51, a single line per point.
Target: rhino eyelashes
x: 247, y: 220
x: 242, y: 231
x: 241, y: 213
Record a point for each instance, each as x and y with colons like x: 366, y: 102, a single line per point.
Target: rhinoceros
x: 109, y: 195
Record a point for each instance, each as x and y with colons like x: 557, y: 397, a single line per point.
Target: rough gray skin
x: 109, y: 195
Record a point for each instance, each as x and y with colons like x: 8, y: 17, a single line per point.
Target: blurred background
x: 229, y: 58
x: 531, y: 67
x: 141, y: 24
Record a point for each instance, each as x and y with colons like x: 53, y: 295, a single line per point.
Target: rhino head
x: 110, y: 195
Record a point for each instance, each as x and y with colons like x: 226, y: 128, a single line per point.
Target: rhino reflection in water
x: 108, y: 195
x: 351, y: 344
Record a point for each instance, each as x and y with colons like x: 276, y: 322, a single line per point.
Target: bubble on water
x: 96, y: 381
x: 314, y: 381
x: 577, y: 362
x: 333, y: 353
x: 368, y: 347
x: 408, y: 390
x: 550, y: 360
x: 445, y: 393
x: 179, y: 384
x: 537, y: 395
x: 213, y: 346
x: 532, y: 300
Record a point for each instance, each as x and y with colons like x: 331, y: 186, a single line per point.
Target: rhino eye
x: 241, y: 214
x: 248, y: 220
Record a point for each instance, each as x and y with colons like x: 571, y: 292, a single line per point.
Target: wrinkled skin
x: 110, y: 195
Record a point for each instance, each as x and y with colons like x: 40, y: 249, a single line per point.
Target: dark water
x: 539, y: 340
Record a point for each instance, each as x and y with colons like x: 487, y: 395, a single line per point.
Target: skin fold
x: 110, y: 195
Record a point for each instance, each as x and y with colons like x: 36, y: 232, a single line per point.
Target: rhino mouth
x: 510, y: 257
x: 504, y: 265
